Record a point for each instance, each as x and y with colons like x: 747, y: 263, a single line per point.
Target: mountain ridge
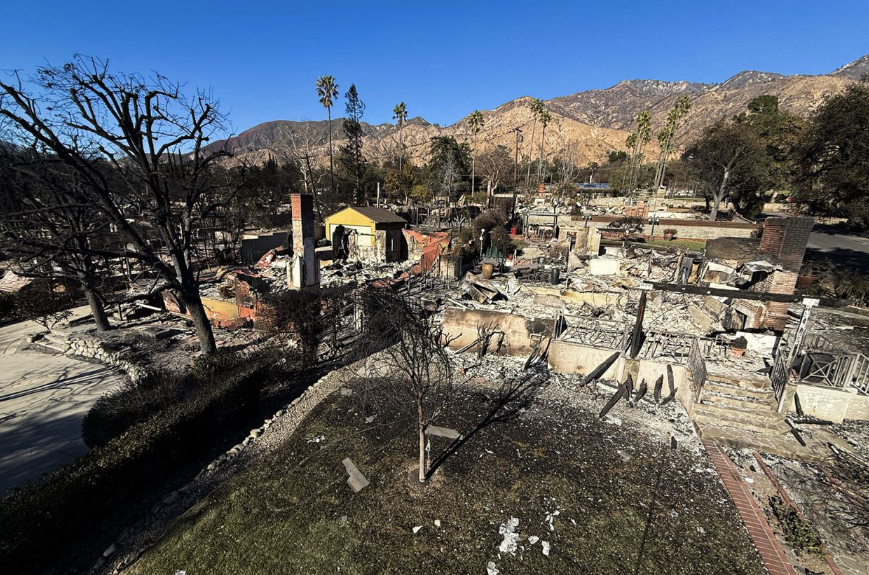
x: 586, y: 125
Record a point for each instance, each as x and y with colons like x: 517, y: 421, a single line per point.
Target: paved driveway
x: 845, y: 250
x: 43, y: 399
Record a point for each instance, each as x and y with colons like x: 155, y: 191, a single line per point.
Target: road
x: 43, y: 399
x: 845, y: 250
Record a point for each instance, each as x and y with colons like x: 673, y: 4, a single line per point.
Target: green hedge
x: 41, y: 520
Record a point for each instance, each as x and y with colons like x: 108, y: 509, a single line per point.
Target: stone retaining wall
x: 83, y: 346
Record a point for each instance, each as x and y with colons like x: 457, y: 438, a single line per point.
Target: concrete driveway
x: 43, y: 399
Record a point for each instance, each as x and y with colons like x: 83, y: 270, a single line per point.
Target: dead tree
x: 139, y: 150
x: 42, y: 216
x: 407, y: 359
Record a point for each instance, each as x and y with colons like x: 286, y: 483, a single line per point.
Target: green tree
x: 536, y: 108
x: 351, y: 152
x: 544, y: 117
x: 833, y: 159
x: 729, y: 159
x: 780, y: 132
x: 448, y: 163
x: 327, y: 91
x: 666, y: 135
x: 642, y: 137
x: 476, y: 123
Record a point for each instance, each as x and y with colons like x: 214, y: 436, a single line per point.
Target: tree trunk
x: 540, y: 158
x: 722, y: 189
x: 200, y: 321
x: 421, y: 454
x: 331, y: 163
x: 97, y: 309
x: 530, y: 147
x: 474, y: 165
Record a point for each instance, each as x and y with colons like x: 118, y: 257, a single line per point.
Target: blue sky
x: 443, y: 59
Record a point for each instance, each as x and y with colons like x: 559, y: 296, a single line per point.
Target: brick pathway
x: 770, y: 549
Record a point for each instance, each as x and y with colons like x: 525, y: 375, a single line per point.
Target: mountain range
x: 585, y: 126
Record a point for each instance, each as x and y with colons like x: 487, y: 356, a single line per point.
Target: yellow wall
x: 350, y: 218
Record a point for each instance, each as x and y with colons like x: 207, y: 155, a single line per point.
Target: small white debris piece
x: 511, y: 538
x: 417, y: 528
x: 613, y: 420
x: 370, y: 418
x: 550, y: 517
x: 545, y: 548
x: 491, y: 569
x: 181, y: 573
x: 572, y: 520
x: 437, y: 522
x: 317, y: 438
x: 749, y: 480
x: 533, y: 539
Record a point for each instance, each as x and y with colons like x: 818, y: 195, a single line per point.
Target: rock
x: 172, y: 498
x: 212, y: 466
x: 254, y: 433
x: 437, y: 522
x: 111, y: 549
x: 491, y: 569
x: 533, y: 539
x: 417, y: 528
x: 545, y: 548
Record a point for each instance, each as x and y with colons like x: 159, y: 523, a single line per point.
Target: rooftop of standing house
x: 376, y: 215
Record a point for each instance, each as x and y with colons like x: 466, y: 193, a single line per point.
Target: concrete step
x: 769, y: 422
x: 736, y: 391
x: 713, y: 398
x: 782, y: 445
x: 747, y: 381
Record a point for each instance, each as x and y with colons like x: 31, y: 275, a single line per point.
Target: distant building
x: 367, y: 234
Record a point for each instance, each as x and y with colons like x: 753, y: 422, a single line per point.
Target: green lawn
x: 294, y: 512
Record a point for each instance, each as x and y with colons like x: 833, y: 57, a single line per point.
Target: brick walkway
x: 767, y: 545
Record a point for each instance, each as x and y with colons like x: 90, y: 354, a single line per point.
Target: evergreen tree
x: 351, y: 152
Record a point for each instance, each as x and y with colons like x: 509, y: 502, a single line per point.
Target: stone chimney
x: 303, y: 269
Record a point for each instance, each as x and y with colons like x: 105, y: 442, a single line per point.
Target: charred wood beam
x: 744, y: 294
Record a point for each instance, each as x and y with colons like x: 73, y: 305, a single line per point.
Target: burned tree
x: 138, y: 149
x: 48, y: 225
x: 407, y: 356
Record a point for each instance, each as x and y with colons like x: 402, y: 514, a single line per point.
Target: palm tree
x: 544, y: 120
x: 327, y: 91
x: 536, y: 108
x: 476, y: 122
x: 399, y: 114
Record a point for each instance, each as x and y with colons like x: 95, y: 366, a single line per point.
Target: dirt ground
x: 553, y: 490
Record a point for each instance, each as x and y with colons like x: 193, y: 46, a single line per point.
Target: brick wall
x: 784, y: 241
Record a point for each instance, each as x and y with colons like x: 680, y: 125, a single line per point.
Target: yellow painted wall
x: 350, y: 218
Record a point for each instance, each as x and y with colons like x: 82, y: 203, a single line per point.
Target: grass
x: 294, y: 513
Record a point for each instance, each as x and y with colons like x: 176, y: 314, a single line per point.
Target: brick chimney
x: 303, y: 269
x: 784, y: 243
